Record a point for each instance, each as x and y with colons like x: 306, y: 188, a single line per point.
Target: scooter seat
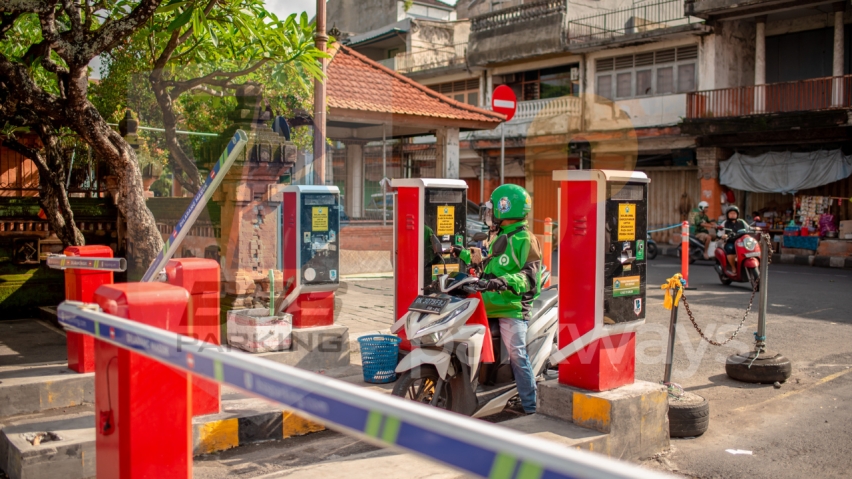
x: 544, y: 302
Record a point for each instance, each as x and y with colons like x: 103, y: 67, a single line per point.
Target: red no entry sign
x: 504, y: 101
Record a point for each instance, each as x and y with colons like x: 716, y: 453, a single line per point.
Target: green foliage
x: 220, y: 46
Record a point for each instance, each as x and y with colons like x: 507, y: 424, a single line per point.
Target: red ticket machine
x: 423, y: 207
x: 80, y: 285
x: 603, y: 227
x: 200, y: 277
x: 142, y: 406
x: 310, y: 241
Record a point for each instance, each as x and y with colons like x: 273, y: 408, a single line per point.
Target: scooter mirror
x: 499, y: 246
x: 480, y: 236
x: 437, y: 248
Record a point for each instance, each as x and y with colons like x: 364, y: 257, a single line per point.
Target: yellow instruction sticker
x: 319, y: 218
x: 446, y: 220
x: 626, y: 222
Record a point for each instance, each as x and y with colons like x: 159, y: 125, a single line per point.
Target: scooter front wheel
x: 421, y: 383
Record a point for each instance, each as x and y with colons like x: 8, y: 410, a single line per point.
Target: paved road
x: 802, y: 429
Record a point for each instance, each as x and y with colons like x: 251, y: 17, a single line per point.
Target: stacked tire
x: 689, y: 415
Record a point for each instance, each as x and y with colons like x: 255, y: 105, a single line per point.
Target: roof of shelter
x: 361, y: 89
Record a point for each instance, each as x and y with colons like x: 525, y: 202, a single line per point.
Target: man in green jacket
x: 513, y: 275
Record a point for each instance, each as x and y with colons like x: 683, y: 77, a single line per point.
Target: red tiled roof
x: 357, y: 83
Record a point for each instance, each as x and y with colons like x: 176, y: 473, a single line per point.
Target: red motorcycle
x: 747, y: 268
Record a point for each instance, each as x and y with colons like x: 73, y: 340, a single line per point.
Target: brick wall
x: 366, y: 238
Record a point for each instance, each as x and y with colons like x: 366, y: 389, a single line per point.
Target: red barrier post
x: 80, y: 285
x: 142, y: 407
x: 547, y: 254
x: 200, y: 277
x: 684, y: 252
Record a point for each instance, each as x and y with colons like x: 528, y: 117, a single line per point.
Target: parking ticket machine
x: 603, y: 228
x: 310, y: 239
x: 423, y: 207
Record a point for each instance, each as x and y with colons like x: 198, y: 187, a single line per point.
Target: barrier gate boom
x: 466, y: 444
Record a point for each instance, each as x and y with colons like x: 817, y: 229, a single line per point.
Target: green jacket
x: 520, y: 266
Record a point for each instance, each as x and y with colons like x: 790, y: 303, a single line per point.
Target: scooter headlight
x: 446, y: 319
x: 749, y: 243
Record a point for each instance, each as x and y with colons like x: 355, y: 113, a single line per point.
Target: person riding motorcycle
x: 512, y: 280
x: 704, y: 228
x: 732, y: 225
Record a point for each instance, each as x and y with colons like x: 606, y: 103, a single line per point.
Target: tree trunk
x: 178, y: 158
x: 53, y: 197
x: 142, y: 232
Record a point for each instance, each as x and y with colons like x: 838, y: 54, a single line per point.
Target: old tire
x: 418, y: 384
x: 764, y: 370
x: 689, y: 415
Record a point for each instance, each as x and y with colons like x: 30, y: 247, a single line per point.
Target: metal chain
x: 748, y: 309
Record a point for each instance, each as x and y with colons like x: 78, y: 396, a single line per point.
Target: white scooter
x: 447, y: 333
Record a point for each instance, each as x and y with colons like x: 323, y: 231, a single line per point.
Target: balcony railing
x: 548, y: 107
x: 636, y: 19
x: 437, y: 57
x: 804, y: 95
x: 521, y: 13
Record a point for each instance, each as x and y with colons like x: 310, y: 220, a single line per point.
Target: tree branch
x: 7, y: 22
x: 217, y: 78
x: 112, y: 32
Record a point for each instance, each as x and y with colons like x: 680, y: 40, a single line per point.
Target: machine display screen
x: 445, y: 216
x: 320, y: 242
x: 624, y: 254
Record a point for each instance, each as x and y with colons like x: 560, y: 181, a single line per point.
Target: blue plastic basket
x: 379, y: 356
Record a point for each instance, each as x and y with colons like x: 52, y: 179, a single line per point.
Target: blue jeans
x: 514, y: 334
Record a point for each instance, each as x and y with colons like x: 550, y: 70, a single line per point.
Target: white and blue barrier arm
x: 199, y: 201
x: 466, y: 444
x: 60, y: 261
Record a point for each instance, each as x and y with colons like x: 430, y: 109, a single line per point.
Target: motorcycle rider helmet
x: 510, y: 202
x: 703, y: 205
x: 732, y: 208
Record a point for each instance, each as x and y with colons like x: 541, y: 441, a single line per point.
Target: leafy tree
x: 187, y: 46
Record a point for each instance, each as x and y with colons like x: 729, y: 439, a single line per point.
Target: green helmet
x: 510, y: 202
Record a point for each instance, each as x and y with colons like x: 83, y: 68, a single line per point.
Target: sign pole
x: 502, y: 151
x: 504, y: 101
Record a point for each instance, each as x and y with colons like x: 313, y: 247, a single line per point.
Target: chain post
x: 667, y: 378
x: 763, y: 282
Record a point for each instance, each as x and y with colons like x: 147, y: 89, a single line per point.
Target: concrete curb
x: 244, y: 421
x: 219, y: 432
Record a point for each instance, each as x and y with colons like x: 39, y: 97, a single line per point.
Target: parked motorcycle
x: 748, y: 259
x: 650, y: 247
x: 446, y: 327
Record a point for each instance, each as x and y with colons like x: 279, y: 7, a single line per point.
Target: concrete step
x: 243, y: 420
x: 560, y: 432
x: 70, y: 454
x: 32, y: 388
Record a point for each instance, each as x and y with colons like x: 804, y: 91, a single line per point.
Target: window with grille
x: 463, y: 91
x: 662, y: 72
x: 551, y: 82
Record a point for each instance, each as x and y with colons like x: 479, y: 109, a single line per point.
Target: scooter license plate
x: 752, y: 255
x: 428, y: 304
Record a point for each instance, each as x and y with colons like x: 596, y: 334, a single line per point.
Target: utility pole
x: 320, y: 40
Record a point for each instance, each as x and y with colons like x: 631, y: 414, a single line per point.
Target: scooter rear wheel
x: 419, y: 385
x: 720, y: 270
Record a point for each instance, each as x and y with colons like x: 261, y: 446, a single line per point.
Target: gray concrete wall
x: 359, y: 16
x: 516, y: 41
x: 727, y: 58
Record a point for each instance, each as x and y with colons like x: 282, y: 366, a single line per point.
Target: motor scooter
x: 447, y: 330
x: 747, y: 269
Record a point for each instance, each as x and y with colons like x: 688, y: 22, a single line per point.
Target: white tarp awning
x: 784, y: 172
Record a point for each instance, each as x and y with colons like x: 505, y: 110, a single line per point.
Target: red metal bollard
x: 547, y: 254
x: 80, y: 285
x: 200, y: 277
x: 142, y: 407
x: 684, y: 252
